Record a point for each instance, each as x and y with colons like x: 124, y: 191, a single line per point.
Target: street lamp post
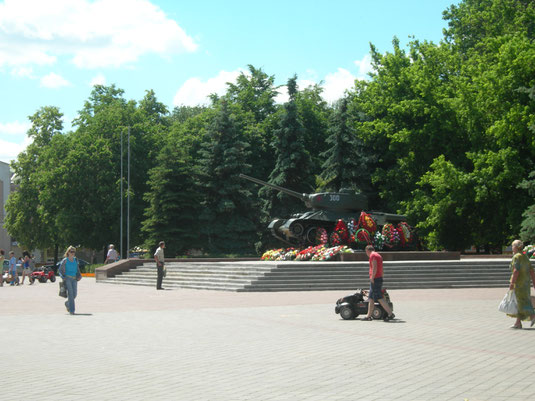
x: 122, y: 254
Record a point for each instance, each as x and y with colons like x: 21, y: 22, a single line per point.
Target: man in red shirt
x: 376, y: 284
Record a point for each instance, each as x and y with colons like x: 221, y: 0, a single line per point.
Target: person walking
x: 13, y: 269
x: 26, y: 271
x: 376, y: 284
x: 521, y: 272
x: 69, y: 270
x: 112, y: 256
x: 2, y: 258
x: 160, y: 261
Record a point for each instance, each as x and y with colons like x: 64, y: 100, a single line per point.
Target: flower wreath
x: 341, y: 230
x: 391, y: 235
x: 405, y: 233
x: 321, y: 236
x: 366, y: 221
x: 363, y: 237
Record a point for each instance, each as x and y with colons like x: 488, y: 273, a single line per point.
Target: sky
x: 52, y: 52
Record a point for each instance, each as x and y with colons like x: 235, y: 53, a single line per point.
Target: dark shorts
x: 376, y: 289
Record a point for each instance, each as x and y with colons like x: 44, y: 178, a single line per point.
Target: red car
x: 43, y: 274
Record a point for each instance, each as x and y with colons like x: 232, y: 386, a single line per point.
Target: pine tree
x: 293, y: 166
x: 346, y: 161
x: 173, y: 201
x: 226, y: 222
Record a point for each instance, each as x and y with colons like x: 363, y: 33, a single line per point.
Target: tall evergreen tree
x: 226, y: 219
x: 173, y: 201
x: 293, y: 166
x: 346, y: 162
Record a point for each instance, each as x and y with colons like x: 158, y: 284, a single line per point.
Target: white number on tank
x: 335, y: 198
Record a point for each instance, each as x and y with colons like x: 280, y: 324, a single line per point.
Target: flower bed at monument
x: 349, y: 236
x: 319, y: 252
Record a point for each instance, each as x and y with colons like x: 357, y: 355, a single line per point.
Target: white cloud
x: 23, y: 72
x: 93, y: 34
x: 10, y: 150
x: 13, y: 139
x: 99, y: 79
x: 54, y: 81
x: 336, y: 84
x: 364, y: 66
x: 195, y: 92
x: 14, y: 128
x: 283, y: 96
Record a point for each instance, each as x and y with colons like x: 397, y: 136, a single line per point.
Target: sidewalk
x: 136, y: 343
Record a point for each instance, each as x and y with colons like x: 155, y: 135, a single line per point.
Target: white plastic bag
x: 508, y: 304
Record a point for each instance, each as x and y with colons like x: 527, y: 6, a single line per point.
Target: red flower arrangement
x: 405, y: 233
x: 363, y: 237
x: 366, y: 221
x: 391, y: 234
x: 335, y: 239
x: 321, y: 236
x: 341, y: 230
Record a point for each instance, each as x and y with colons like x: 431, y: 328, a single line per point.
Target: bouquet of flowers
x: 308, y: 253
x: 330, y: 253
x: 366, y: 222
x: 363, y: 237
x: 341, y: 230
x: 391, y: 235
x: 352, y: 227
x: 378, y: 241
x: 405, y: 233
x: 321, y: 236
x: 273, y: 254
x: 335, y: 239
x: 290, y: 254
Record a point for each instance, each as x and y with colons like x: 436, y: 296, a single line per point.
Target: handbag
x: 509, y: 304
x: 62, y: 289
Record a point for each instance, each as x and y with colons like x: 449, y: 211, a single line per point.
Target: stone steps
x: 319, y: 276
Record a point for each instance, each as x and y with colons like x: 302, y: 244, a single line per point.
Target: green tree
x: 407, y: 119
x: 103, y: 123
x: 314, y: 115
x: 527, y: 232
x: 293, y: 166
x: 346, y: 162
x: 226, y: 220
x: 27, y: 218
x: 173, y: 200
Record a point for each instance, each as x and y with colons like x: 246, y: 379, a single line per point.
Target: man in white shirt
x: 159, y: 259
x: 112, y: 256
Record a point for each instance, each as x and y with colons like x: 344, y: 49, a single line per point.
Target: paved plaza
x: 136, y: 343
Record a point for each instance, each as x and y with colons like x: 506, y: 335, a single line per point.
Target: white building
x: 5, y: 189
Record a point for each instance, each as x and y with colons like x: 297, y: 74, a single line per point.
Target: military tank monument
x: 338, y: 218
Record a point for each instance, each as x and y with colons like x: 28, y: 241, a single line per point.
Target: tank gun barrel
x: 303, y: 197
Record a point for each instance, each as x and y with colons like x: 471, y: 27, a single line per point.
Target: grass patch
x: 91, y: 268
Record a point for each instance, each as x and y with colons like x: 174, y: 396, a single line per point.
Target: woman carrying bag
x: 520, y: 280
x: 70, y: 273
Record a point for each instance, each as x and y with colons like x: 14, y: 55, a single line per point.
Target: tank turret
x: 327, y: 209
x: 345, y: 200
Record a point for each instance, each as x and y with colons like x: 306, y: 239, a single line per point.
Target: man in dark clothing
x: 160, y: 260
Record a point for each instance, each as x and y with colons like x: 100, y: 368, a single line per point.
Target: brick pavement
x: 136, y: 343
